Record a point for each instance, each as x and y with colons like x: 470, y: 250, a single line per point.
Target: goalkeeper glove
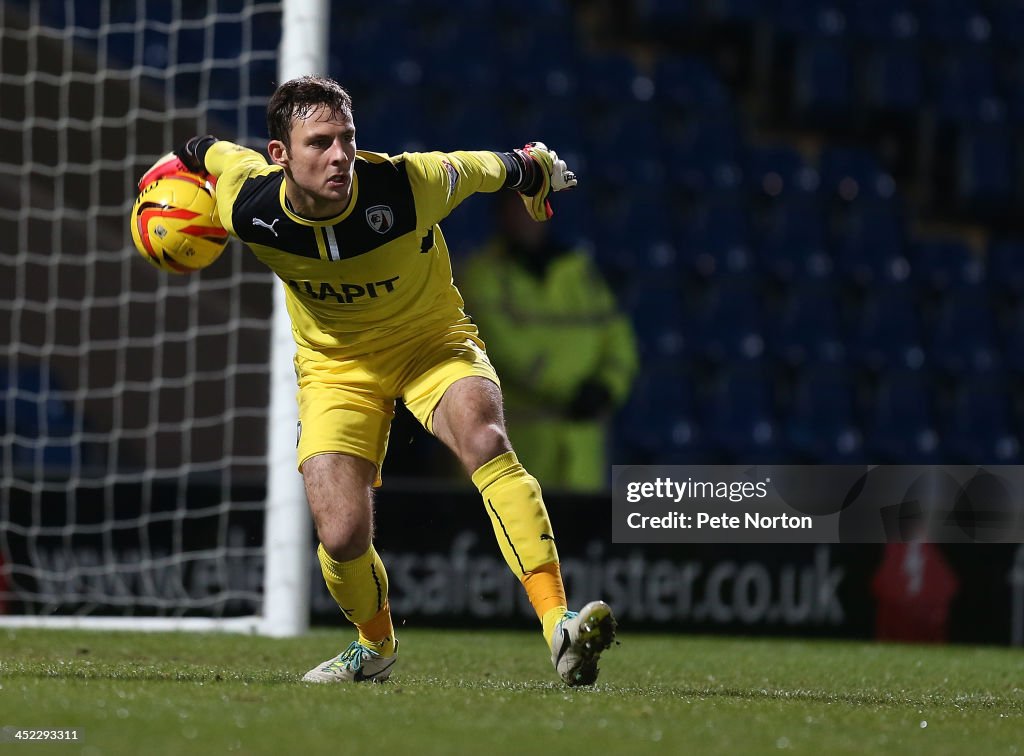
x: 193, y: 152
x: 543, y: 173
x: 185, y: 159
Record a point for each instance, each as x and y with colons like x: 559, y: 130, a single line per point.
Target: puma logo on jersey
x: 264, y: 224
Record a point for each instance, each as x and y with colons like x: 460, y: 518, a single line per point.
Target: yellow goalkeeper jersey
x: 367, y: 278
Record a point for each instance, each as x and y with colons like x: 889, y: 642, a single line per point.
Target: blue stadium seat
x: 854, y: 174
x: 392, y: 124
x: 1011, y: 85
x: 943, y: 264
x: 963, y: 338
x: 666, y: 18
x: 737, y: 11
x: 372, y: 54
x: 893, y: 79
x: 472, y: 226
x: 689, y: 84
x: 789, y: 263
x: 658, y: 424
x: 821, y: 425
x: 887, y: 334
x: 738, y: 416
x: 475, y: 70
x: 704, y: 156
x: 528, y: 13
x: 986, y: 169
x: 978, y: 428
x: 622, y: 236
x: 1007, y: 20
x: 1005, y: 261
x: 954, y: 22
x: 656, y: 309
x: 823, y: 84
x: 791, y: 240
x: 901, y: 427
x: 1011, y: 337
x: 717, y: 239
x: 728, y: 325
x: 619, y: 128
x: 777, y: 171
x: 543, y: 56
x: 663, y: 257
x: 450, y: 119
x: 963, y: 89
x: 883, y: 20
x: 523, y: 120
x: 535, y: 48
x: 811, y: 18
x: 611, y: 135
x: 799, y: 221
x: 606, y: 79
x: 810, y: 329
x: 869, y: 249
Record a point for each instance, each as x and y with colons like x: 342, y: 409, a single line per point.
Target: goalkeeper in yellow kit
x: 354, y: 238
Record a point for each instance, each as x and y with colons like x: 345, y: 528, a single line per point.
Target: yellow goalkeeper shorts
x: 347, y: 405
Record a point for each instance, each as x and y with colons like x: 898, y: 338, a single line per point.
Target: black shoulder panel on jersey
x: 385, y: 209
x: 258, y: 218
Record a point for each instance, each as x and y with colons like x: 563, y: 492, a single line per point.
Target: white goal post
x: 147, y: 458
x: 286, y: 586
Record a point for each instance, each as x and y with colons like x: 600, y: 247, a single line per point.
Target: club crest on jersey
x: 380, y: 218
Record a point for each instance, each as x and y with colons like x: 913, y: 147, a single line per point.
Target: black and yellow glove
x: 543, y: 172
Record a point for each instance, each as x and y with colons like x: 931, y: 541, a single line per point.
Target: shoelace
x: 352, y: 657
x: 568, y: 616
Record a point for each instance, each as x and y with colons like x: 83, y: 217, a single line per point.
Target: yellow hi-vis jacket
x: 546, y: 337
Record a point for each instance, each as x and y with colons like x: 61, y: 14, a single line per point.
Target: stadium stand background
x: 808, y: 207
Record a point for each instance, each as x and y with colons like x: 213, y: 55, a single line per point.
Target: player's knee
x: 485, y: 442
x: 344, y: 542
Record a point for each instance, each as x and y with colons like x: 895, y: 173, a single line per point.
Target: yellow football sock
x: 360, y: 588
x: 513, y: 501
x: 551, y: 618
x: 515, y: 505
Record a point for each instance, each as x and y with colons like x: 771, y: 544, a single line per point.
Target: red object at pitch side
x: 914, y: 587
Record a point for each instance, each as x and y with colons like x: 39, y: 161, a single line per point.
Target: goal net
x: 133, y: 404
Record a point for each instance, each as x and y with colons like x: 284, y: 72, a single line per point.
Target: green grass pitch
x: 495, y: 693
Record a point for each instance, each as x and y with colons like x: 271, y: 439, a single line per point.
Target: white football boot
x: 578, y: 641
x: 357, y: 663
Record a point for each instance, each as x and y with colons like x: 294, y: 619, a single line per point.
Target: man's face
x: 319, y: 163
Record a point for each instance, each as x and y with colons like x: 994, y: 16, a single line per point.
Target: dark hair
x: 300, y: 97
